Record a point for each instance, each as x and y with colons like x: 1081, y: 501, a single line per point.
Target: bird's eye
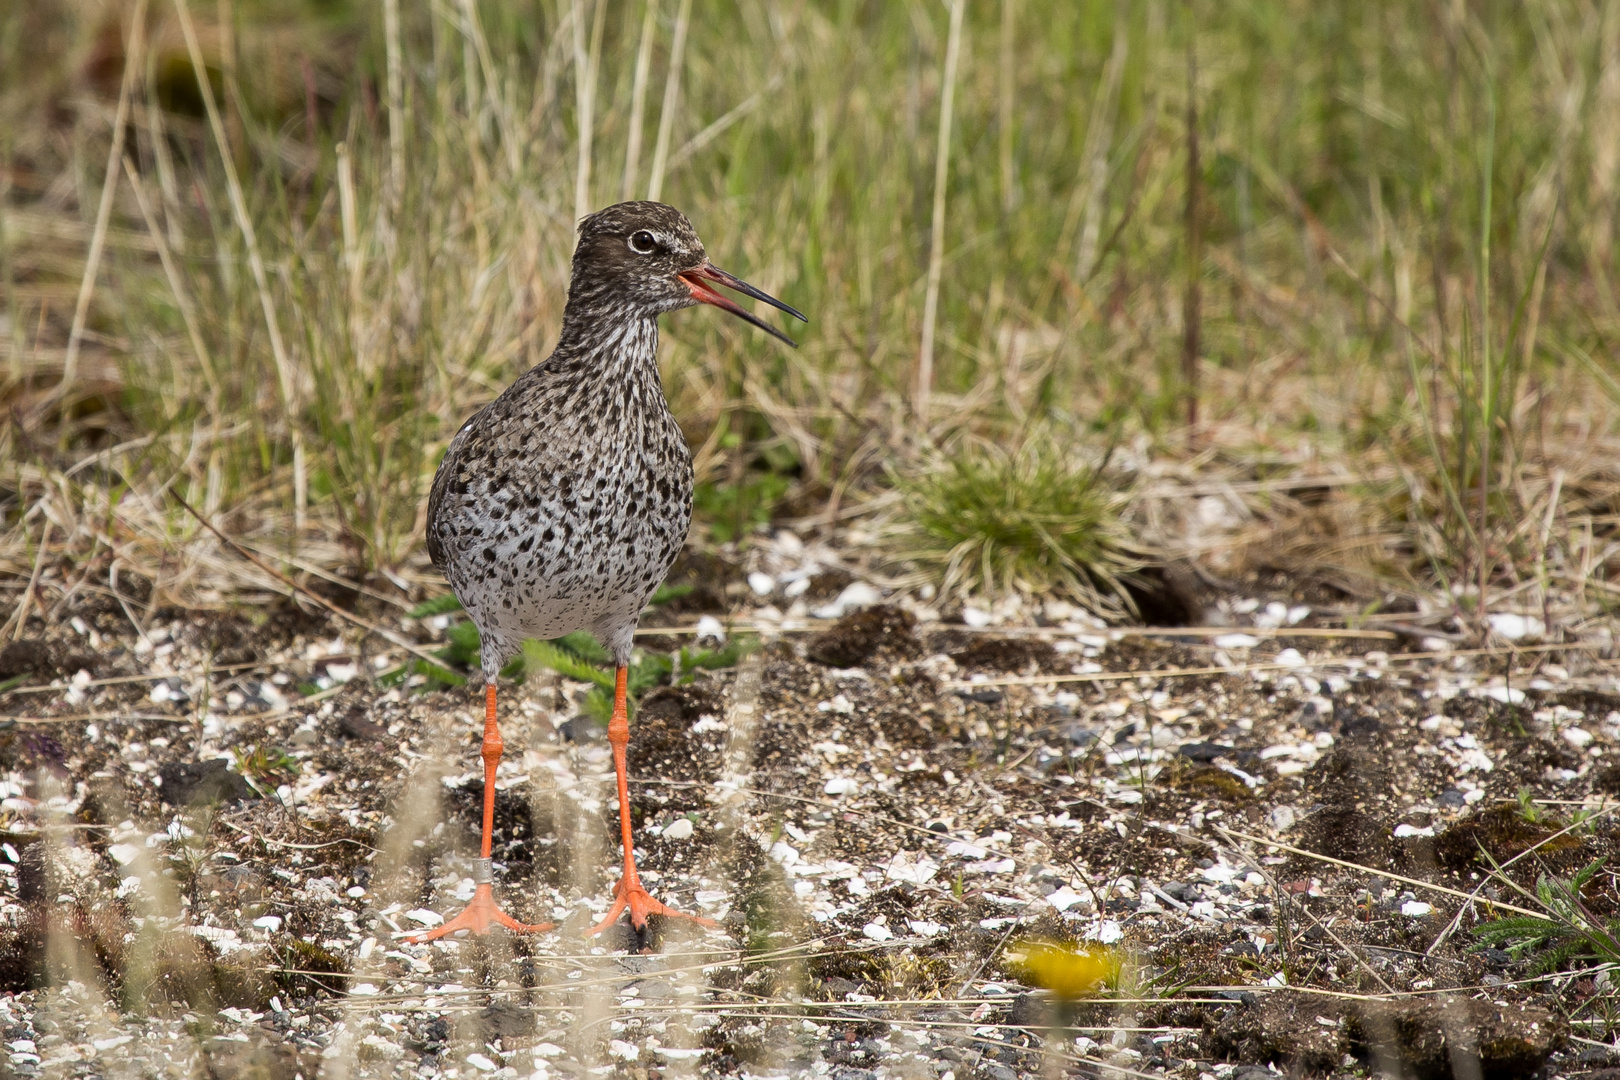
x: 642, y: 242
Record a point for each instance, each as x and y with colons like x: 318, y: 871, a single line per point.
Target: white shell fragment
x: 1513, y: 626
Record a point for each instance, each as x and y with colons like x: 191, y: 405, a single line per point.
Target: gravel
x: 210, y: 864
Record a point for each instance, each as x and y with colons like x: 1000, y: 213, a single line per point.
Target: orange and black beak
x: 696, y: 279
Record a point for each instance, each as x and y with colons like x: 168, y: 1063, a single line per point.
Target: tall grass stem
x: 1098, y: 145
x: 1004, y: 105
x: 1490, y: 385
x: 353, y: 259
x: 696, y: 143
x: 638, y: 100
x: 285, y: 375
x: 672, y: 97
x: 936, y: 235
x: 1192, y: 304
x: 19, y: 617
x: 168, y: 182
x: 225, y: 18
x: 396, y: 104
x: 587, y: 51
x: 182, y: 297
x: 8, y: 275
x: 134, y: 63
x: 474, y: 30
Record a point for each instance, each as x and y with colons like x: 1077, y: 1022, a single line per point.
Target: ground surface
x: 877, y: 810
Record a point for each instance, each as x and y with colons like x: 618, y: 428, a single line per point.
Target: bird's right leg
x: 482, y: 911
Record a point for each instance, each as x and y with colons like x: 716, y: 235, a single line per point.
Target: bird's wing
x: 448, y: 467
x: 518, y: 415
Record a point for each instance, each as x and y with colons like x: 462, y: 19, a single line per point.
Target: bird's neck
x: 612, y: 343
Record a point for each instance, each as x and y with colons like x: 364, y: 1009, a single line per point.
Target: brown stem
x: 1192, y: 304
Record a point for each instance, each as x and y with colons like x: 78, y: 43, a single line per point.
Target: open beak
x: 697, y: 280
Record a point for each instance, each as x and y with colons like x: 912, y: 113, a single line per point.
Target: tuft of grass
x: 1034, y: 520
x: 464, y: 643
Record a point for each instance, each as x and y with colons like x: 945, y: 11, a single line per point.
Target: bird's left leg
x: 630, y: 893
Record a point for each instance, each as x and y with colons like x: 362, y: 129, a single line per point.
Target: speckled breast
x: 556, y: 510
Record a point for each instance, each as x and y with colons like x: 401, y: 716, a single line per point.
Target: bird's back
x: 562, y: 504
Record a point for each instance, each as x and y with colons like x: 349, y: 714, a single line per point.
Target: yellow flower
x: 1070, y: 972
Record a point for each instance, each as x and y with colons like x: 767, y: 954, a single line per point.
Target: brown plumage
x: 561, y: 505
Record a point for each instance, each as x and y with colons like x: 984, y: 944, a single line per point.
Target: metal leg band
x: 483, y: 871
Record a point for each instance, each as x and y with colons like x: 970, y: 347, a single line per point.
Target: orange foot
x: 478, y: 917
x: 629, y: 893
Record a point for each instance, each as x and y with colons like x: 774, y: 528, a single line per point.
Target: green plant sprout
x: 575, y: 656
x: 579, y: 657
x: 1569, y: 933
x: 265, y: 767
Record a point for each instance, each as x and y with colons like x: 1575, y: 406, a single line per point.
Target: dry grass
x: 292, y: 296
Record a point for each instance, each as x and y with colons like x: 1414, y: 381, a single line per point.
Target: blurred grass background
x: 1348, y: 265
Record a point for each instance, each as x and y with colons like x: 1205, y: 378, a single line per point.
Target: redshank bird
x: 561, y: 505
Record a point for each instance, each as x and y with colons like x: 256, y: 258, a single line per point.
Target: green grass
x: 1366, y: 169
x: 1032, y: 520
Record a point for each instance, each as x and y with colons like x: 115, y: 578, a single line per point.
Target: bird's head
x: 648, y: 256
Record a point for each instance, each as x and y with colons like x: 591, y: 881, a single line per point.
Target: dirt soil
x: 217, y: 837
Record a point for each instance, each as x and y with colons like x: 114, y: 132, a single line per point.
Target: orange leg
x: 629, y: 893
x: 482, y: 911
